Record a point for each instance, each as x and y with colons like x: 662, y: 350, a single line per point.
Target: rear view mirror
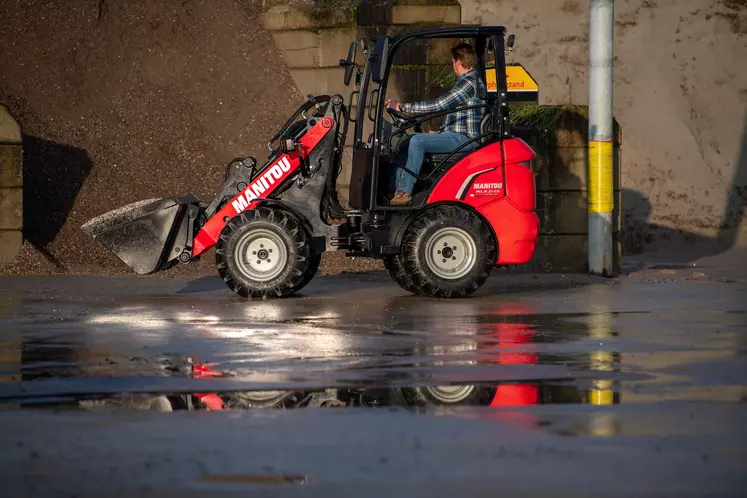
x: 349, y: 65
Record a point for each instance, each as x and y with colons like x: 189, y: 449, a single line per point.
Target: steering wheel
x: 400, y: 117
x: 404, y: 120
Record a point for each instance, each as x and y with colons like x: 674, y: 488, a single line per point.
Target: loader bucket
x: 143, y: 234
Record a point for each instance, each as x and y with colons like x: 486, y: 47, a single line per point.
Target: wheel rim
x: 450, y: 253
x: 261, y: 255
x: 259, y: 396
x: 450, y: 394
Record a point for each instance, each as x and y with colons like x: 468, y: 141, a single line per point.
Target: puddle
x: 166, y: 356
x: 504, y: 379
x: 420, y: 398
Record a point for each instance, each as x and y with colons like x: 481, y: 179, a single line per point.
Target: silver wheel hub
x: 450, y: 253
x: 261, y: 255
x: 259, y: 396
x: 450, y: 394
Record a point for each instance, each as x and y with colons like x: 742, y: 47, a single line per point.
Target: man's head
x: 463, y: 58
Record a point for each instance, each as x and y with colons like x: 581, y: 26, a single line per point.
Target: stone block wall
x: 559, y: 136
x: 11, y: 188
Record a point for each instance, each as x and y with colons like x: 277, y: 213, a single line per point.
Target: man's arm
x: 452, y: 98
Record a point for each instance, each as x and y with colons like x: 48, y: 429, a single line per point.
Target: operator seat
x: 486, y: 125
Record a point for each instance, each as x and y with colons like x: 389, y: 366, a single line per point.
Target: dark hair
x: 465, y: 54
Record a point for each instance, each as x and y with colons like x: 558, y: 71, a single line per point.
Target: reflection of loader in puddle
x: 508, y: 336
x: 429, y: 354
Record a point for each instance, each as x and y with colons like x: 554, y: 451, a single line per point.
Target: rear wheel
x: 448, y: 251
x: 265, y: 253
x: 397, y: 271
x: 430, y: 396
x: 316, y: 260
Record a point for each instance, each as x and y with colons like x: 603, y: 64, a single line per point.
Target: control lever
x: 288, y: 146
x: 305, y: 171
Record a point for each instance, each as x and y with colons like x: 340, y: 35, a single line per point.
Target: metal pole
x: 601, y: 199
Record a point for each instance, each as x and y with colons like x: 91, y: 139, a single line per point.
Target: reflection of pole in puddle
x: 602, y: 360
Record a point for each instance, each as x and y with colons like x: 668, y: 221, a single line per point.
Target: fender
x: 502, y: 193
x: 405, y: 224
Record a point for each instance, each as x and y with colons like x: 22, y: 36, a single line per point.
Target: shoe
x: 401, y: 199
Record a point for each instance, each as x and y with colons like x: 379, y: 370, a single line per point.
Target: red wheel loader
x: 471, y: 210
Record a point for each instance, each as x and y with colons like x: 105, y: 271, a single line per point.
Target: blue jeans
x: 420, y: 144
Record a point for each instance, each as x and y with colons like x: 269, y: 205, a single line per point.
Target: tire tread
x: 302, y: 261
x: 412, y: 274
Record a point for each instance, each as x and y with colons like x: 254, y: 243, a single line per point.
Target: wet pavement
x: 536, y: 386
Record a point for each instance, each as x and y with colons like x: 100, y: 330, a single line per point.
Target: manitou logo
x: 487, y: 186
x: 261, y: 184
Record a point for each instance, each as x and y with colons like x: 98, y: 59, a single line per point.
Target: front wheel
x: 448, y: 251
x: 265, y: 253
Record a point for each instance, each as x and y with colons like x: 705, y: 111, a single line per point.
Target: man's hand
x: 392, y: 104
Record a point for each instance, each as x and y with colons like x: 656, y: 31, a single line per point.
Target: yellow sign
x: 517, y: 80
x: 601, y: 198
x: 490, y: 80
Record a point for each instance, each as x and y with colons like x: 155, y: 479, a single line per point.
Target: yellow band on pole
x: 601, y: 199
x: 603, y: 393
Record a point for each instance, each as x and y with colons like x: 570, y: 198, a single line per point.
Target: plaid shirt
x: 464, y: 93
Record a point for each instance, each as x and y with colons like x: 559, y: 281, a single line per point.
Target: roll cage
x: 377, y: 70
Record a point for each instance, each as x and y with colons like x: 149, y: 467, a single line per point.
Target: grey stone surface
x: 10, y: 245
x: 10, y: 130
x: 11, y: 192
x: 11, y: 209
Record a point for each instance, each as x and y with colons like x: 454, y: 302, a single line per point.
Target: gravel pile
x: 124, y: 101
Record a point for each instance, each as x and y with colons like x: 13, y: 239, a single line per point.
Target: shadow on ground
x: 53, y: 174
x: 641, y: 235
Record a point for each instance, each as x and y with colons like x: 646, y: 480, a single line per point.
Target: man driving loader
x: 458, y: 127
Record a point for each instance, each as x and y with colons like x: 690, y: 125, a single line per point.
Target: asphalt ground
x: 574, y: 385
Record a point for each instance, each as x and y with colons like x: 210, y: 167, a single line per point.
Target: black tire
x: 397, y: 271
x: 251, y: 400
x: 433, y: 396
x: 136, y: 403
x: 459, y: 228
x: 294, y: 265
x: 316, y: 259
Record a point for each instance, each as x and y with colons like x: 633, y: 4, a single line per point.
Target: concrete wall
x: 11, y: 192
x: 680, y: 95
x: 314, y: 35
